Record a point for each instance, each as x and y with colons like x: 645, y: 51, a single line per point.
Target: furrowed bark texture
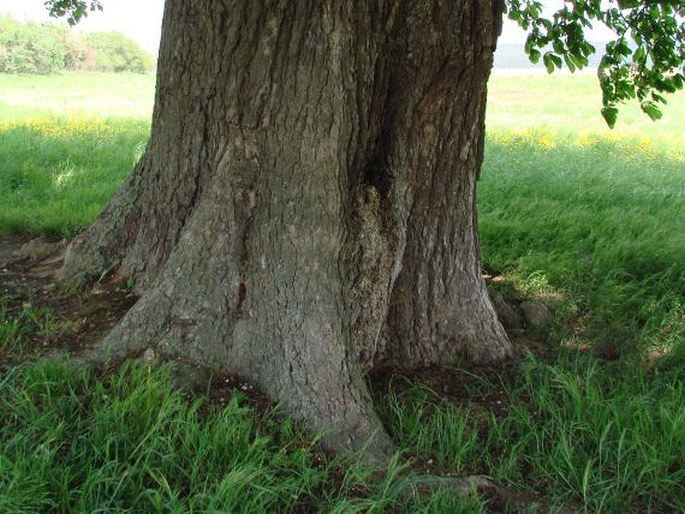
x: 305, y: 209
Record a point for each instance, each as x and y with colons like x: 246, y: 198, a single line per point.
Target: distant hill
x: 511, y: 55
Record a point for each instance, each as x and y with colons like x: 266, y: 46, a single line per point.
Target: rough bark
x: 305, y: 209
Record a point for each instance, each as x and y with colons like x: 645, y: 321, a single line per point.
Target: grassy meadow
x: 585, y: 219
x: 569, y: 104
x: 68, y: 141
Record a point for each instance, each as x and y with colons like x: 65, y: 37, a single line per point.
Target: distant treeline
x: 42, y: 48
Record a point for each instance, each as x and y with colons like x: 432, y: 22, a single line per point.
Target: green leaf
x: 569, y: 63
x: 640, y: 56
x: 651, y: 110
x: 678, y: 81
x: 628, y: 4
x: 551, y: 61
x: 609, y: 114
x: 623, y: 48
x: 534, y: 55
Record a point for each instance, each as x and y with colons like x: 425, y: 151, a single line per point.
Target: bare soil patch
x: 78, y: 318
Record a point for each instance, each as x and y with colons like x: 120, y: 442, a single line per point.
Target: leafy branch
x: 73, y: 10
x: 643, y: 62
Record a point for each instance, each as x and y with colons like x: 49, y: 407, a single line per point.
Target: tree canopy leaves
x: 74, y: 10
x: 644, y: 60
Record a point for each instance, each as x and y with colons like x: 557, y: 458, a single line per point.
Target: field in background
x: 79, y: 112
x: 585, y: 219
x: 517, y: 100
x: 570, y: 104
x: 84, y: 95
x: 67, y: 142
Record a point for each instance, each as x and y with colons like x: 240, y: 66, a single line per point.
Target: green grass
x: 13, y: 331
x: 586, y: 219
x: 66, y: 143
x: 608, y: 439
x: 19, y: 325
x: 592, y: 225
x: 130, y: 442
x: 57, y: 173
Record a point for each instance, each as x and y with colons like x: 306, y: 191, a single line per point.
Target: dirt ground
x: 76, y: 318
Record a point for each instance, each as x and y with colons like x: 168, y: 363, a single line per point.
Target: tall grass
x: 594, y: 225
x: 608, y: 439
x: 57, y: 173
x: 130, y: 442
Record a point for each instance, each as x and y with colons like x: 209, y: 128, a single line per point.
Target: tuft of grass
x: 12, y: 332
x: 609, y: 438
x: 129, y: 441
x: 19, y: 324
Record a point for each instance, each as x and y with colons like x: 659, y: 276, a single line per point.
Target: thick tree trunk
x: 305, y: 209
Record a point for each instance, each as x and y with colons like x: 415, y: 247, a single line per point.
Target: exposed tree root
x: 501, y: 498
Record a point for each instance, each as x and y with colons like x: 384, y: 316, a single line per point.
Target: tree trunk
x: 305, y: 209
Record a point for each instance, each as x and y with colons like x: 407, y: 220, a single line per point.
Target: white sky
x: 141, y: 20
